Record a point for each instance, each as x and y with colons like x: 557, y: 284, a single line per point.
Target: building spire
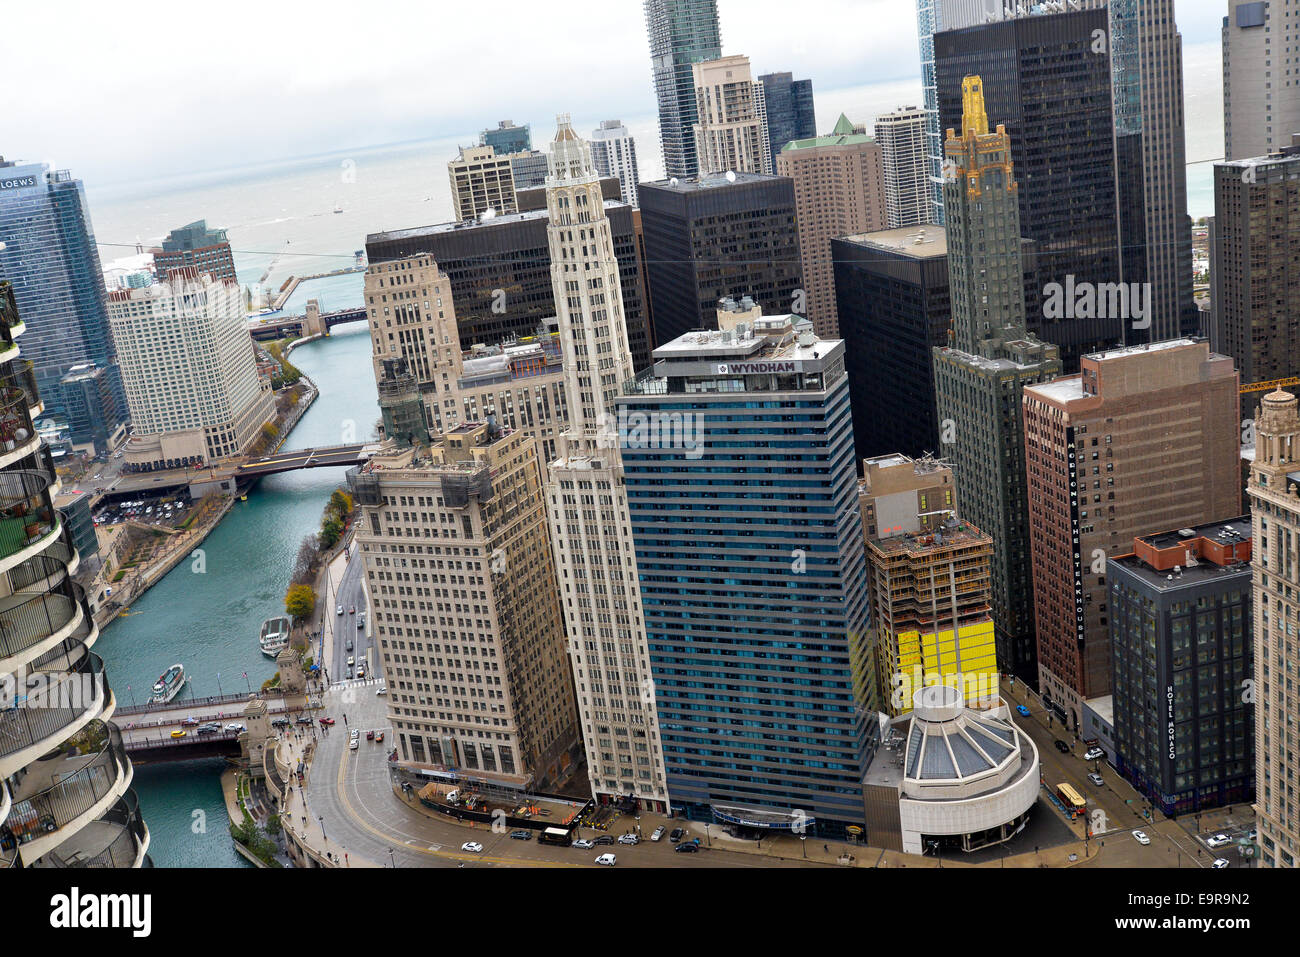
x: 973, y: 118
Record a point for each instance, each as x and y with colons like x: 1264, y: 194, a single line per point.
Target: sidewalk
x: 297, y: 817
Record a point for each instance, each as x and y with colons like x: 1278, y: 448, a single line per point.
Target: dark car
x: 521, y: 835
x: 302, y: 719
x: 690, y: 847
x: 209, y: 729
x: 604, y: 839
x: 676, y: 835
x: 280, y: 723
x: 1062, y: 746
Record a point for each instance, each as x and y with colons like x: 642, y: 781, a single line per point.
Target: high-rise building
x: 471, y: 505
x: 1146, y: 53
x: 190, y: 372
x: 614, y: 152
x: 990, y: 359
x: 1255, y: 264
x: 682, y: 33
x: 481, y: 180
x: 78, y: 810
x: 48, y: 253
x: 90, y: 406
x: 196, y: 246
x: 586, y: 495
x: 754, y: 576
x: 528, y: 170
x: 901, y: 136
x: 1261, y: 104
x: 500, y: 272
x: 1275, y: 528
x: 731, y: 131
x: 518, y: 381
x: 790, y: 111
x: 893, y: 311
x: 933, y: 16
x: 717, y: 236
x: 838, y: 191
x: 1182, y: 653
x: 1144, y: 438
x: 928, y: 576
x: 507, y: 138
x: 1047, y: 79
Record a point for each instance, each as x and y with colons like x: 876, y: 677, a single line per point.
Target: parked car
x: 1096, y: 779
x: 370, y: 735
x: 631, y: 840
x: 1062, y: 746
x: 1094, y: 754
x: 583, y: 844
x: 340, y: 610
x: 474, y: 847
x: 659, y: 833
x: 1219, y: 864
x: 690, y: 847
x: 237, y: 728
x: 356, y: 732
x: 608, y: 860
x: 605, y: 839
x: 676, y: 835
x: 1217, y: 841
x: 190, y: 722
x: 1141, y: 837
x: 521, y: 835
x: 280, y: 723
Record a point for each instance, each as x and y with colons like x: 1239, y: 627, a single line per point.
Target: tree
x: 341, y: 503
x: 331, y: 531
x: 300, y: 600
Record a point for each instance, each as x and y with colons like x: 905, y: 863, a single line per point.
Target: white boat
x: 338, y: 209
x: 169, y: 684
x: 275, y: 636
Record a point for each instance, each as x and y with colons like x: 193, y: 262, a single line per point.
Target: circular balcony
x: 33, y: 622
x: 117, y: 839
x: 63, y: 791
x: 40, y: 709
x: 18, y: 436
x: 28, y: 519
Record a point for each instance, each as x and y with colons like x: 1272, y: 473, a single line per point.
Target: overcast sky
x: 122, y: 91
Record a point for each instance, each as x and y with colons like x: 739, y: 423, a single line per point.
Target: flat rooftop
x: 929, y: 540
x: 1203, y: 570
x: 692, y: 184
x: 919, y: 242
x: 1143, y: 348
x: 469, y: 224
x: 710, y: 343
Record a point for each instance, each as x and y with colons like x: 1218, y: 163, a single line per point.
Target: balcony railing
x: 17, y: 395
x: 124, y: 831
x: 29, y: 718
x: 26, y: 511
x: 28, y: 619
x: 80, y: 786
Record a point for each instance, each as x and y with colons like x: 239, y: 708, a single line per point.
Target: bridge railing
x: 182, y: 704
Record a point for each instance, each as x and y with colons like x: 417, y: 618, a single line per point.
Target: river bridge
x: 147, y: 728
x: 296, y: 327
x: 318, y: 458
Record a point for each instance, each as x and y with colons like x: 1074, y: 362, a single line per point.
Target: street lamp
x: 321, y: 821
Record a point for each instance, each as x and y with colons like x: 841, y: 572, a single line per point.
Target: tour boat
x: 169, y: 685
x: 275, y: 636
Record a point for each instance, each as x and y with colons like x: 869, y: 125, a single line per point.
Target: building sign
x: 17, y: 182
x: 1169, y: 716
x: 1074, y: 535
x: 756, y: 368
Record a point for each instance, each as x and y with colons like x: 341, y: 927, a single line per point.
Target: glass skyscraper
x: 790, y: 111
x: 741, y: 484
x: 48, y: 253
x: 682, y: 33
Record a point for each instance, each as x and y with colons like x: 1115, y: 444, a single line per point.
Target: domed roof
x: 949, y: 743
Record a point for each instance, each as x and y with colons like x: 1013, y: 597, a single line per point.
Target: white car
x: 340, y: 610
x: 1141, y: 837
x: 351, y: 661
x: 381, y: 692
x: 355, y: 733
x: 235, y: 727
x: 583, y: 845
x: 1219, y: 864
x: 609, y: 860
x: 631, y: 840
x: 1217, y: 841
x: 474, y: 847
x: 354, y: 745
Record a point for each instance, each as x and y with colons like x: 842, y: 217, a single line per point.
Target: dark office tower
x: 790, y: 113
x: 1182, y: 651
x: 892, y: 291
x: 719, y: 236
x: 1255, y: 265
x: 500, y: 271
x: 48, y: 253
x: 1047, y: 80
x: 206, y: 250
x: 682, y: 33
x: 991, y: 357
x: 1146, y: 52
x: 507, y: 138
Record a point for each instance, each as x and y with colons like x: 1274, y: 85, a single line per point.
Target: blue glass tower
x: 48, y: 253
x: 741, y: 482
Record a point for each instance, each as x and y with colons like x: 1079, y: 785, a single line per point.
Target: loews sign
x: 17, y: 181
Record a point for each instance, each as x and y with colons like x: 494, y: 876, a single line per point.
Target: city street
x: 345, y: 587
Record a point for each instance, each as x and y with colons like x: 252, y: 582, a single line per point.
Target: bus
x: 554, y: 835
x: 1071, y: 798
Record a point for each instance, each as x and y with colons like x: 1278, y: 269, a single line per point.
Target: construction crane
x: 1270, y: 385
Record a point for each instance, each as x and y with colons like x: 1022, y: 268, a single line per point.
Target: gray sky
x: 120, y: 91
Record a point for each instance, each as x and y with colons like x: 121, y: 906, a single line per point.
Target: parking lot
x: 167, y: 511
